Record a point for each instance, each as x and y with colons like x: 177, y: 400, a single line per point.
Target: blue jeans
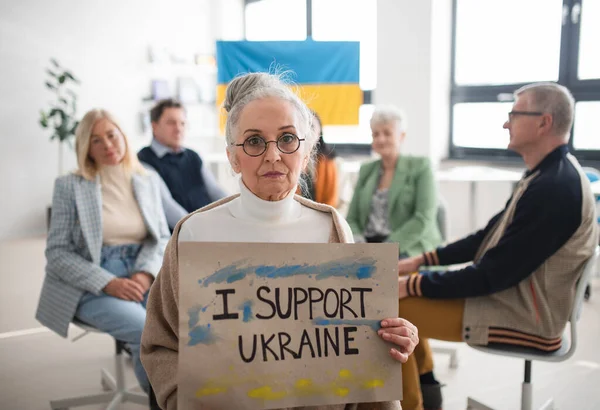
x: 122, y: 319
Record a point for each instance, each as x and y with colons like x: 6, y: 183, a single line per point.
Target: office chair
x: 566, y: 350
x: 114, y: 386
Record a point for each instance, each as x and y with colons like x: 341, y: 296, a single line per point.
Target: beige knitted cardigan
x: 160, y: 339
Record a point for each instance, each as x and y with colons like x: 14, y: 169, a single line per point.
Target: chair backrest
x: 588, y: 271
x: 442, y: 219
x: 594, y: 176
x: 584, y: 280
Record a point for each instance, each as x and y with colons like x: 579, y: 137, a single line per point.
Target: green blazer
x: 412, y: 204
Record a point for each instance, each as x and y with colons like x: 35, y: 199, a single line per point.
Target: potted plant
x: 60, y: 117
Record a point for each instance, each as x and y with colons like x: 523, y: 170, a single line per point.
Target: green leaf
x: 43, y: 119
x: 63, y: 132
x: 58, y: 112
x: 69, y: 75
x: 74, y: 128
x: 60, y: 115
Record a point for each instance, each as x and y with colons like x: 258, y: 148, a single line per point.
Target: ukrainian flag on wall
x: 326, y: 72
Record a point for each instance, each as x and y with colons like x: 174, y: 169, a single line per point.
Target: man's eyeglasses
x: 526, y: 113
x: 255, y: 146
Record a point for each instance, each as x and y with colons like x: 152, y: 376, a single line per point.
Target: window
x: 486, y: 51
x: 589, y: 58
x: 586, y: 131
x: 359, y: 23
x: 322, y: 21
x: 497, y: 50
x: 476, y: 124
x: 268, y: 20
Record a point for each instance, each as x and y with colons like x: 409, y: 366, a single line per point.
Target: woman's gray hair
x: 555, y: 100
x: 388, y: 113
x: 254, y: 86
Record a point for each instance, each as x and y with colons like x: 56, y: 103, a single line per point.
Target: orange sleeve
x: 326, y: 185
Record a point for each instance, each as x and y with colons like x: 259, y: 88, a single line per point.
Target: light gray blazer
x: 75, y: 242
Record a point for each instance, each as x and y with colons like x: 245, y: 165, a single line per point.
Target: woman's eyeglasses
x: 255, y: 146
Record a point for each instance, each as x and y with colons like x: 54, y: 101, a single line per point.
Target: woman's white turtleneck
x: 248, y: 218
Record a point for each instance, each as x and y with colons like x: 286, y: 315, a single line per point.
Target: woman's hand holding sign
x: 403, y: 334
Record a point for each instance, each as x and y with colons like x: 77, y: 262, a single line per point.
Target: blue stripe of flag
x: 313, y: 62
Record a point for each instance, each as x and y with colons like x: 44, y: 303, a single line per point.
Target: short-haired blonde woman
x: 395, y: 198
x: 106, y: 239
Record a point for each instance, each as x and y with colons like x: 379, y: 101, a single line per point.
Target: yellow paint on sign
x: 371, y: 384
x: 304, y: 383
x: 341, y: 391
x: 210, y: 390
x: 345, y: 374
x: 266, y: 393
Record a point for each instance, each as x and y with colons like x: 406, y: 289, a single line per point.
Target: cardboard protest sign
x: 265, y: 326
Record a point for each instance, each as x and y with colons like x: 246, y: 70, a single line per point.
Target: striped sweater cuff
x: 413, y: 286
x: 431, y: 258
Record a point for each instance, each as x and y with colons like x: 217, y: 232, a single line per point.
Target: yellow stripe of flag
x: 335, y: 103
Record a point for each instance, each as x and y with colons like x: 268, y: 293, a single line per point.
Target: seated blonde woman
x: 106, y: 241
x: 269, y: 143
x: 395, y: 198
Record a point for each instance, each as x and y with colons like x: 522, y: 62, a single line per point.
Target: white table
x: 474, y: 174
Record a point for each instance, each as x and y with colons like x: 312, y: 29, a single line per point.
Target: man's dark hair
x: 157, y: 111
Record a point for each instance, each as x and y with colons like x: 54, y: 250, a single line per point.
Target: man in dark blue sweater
x: 189, y: 183
x: 519, y: 287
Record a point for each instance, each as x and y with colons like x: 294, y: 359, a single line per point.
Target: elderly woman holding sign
x: 270, y: 142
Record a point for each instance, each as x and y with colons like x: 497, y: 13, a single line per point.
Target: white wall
x: 403, y: 61
x: 413, y: 69
x: 439, y: 93
x: 105, y: 44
